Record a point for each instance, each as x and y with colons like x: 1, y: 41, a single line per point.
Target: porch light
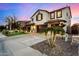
x: 49, y: 25
x: 34, y: 27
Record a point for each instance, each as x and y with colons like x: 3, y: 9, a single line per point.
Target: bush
x: 12, y: 32
x: 6, y: 32
x: 16, y: 30
x: 2, y: 28
x: 55, y: 30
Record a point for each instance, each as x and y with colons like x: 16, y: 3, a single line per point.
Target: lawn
x: 12, y: 33
x: 16, y: 33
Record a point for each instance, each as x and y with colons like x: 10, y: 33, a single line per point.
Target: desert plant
x: 51, y: 34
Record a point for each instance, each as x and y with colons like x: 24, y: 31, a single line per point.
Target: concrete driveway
x: 20, y: 45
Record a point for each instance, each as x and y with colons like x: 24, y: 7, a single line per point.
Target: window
x: 52, y: 15
x: 66, y: 14
x: 59, y: 13
x: 39, y: 17
x: 32, y: 19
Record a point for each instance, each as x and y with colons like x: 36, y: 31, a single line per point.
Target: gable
x: 39, y: 10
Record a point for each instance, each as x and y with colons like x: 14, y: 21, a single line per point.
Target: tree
x: 2, y: 28
x: 11, y: 22
x: 52, y: 36
x: 75, y: 29
x: 18, y: 25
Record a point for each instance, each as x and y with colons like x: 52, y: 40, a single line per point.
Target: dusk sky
x: 23, y: 11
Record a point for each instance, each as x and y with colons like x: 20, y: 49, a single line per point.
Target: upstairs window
x: 59, y: 14
x: 52, y: 15
x: 67, y: 14
x: 39, y: 17
x: 32, y: 19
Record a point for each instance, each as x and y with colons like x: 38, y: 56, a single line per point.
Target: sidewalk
x: 2, y: 36
x: 28, y: 52
x: 3, y: 50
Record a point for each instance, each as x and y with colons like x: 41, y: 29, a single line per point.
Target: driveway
x: 3, y: 50
x: 20, y: 45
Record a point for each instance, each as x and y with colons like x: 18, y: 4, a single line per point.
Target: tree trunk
x: 10, y: 26
x: 51, y: 37
x: 48, y: 36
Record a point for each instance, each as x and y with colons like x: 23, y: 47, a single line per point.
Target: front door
x: 28, y: 29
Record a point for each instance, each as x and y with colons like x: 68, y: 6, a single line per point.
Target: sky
x: 23, y: 11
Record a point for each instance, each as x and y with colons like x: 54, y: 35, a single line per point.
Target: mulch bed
x: 62, y: 48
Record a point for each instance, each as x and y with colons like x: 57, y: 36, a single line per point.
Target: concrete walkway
x: 20, y: 45
x: 3, y: 50
x: 2, y: 36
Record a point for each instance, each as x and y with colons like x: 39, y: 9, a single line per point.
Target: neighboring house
x: 22, y: 24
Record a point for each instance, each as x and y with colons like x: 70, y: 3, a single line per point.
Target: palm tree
x: 52, y: 32
x: 10, y: 21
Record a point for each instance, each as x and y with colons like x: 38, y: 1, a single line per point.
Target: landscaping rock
x: 62, y: 48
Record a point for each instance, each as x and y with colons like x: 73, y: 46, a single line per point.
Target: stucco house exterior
x: 42, y: 19
x: 22, y: 24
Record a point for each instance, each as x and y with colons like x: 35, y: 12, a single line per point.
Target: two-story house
x: 42, y: 19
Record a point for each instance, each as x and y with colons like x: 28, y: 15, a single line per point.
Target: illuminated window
x: 59, y: 13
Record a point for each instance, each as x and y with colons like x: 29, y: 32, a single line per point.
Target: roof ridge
x: 61, y: 8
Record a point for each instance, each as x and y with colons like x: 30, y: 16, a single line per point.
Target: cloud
x: 23, y: 18
x: 75, y: 19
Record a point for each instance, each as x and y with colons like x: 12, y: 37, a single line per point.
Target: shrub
x: 12, y: 32
x: 6, y: 32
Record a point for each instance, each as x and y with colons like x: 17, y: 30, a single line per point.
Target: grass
x: 8, y: 33
x: 16, y: 33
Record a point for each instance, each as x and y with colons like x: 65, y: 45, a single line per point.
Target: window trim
x: 53, y: 15
x: 57, y: 13
x: 38, y: 17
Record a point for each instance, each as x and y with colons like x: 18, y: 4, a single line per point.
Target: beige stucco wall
x: 45, y: 18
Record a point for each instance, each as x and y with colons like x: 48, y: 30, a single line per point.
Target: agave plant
x: 51, y: 34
